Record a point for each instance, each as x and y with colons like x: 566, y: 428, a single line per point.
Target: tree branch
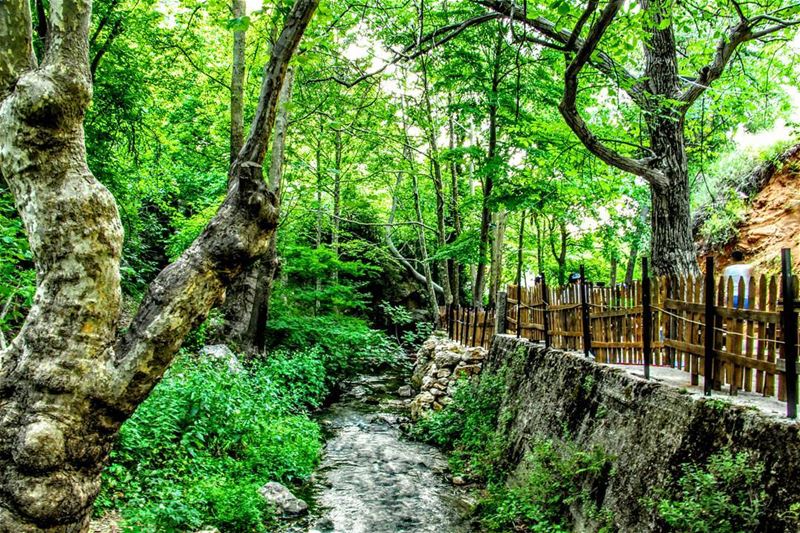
x: 560, y: 39
x: 569, y: 111
x: 413, y: 51
x: 116, y: 30
x: 16, y: 43
x: 183, y: 293
x: 741, y: 33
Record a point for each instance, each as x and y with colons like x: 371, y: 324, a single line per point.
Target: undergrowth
x: 553, y: 476
x: 723, y: 496
x: 196, y: 452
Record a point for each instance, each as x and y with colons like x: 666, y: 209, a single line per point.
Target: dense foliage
x: 552, y: 477
x: 197, y: 451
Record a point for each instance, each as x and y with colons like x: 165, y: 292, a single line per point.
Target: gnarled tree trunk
x: 66, y: 382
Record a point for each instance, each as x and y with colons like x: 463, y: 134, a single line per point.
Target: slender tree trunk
x: 488, y: 181
x: 613, y: 276
x: 520, y: 247
x: 632, y: 258
x: 455, y: 217
x: 239, y: 9
x: 498, y: 240
x: 438, y: 185
x: 337, y: 194
x: 560, y: 253
x: 423, y: 251
x: 539, y: 242
x: 66, y: 382
x: 318, y: 225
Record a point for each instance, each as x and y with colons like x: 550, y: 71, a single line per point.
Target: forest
x: 305, y: 184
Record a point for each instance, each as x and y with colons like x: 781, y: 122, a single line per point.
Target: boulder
x: 405, y: 391
x: 222, y: 352
x: 282, y: 499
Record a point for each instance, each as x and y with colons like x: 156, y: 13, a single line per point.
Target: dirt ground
x: 772, y: 223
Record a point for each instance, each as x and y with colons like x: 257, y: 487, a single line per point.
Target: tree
x: 68, y: 381
x: 662, y: 94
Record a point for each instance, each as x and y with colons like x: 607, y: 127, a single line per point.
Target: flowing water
x: 374, y: 480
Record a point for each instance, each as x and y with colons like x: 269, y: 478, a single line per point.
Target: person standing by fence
x: 737, y: 270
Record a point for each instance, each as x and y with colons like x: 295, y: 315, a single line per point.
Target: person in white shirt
x: 739, y: 270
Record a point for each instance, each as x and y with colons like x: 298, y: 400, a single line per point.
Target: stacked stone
x: 440, y: 363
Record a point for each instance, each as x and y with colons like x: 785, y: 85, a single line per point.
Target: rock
x: 283, y: 500
x: 468, y: 370
x: 424, y: 397
x: 405, y: 391
x: 437, y: 406
x: 458, y: 480
x: 443, y: 373
x: 427, y: 381
x: 436, y: 392
x: 445, y: 359
x: 221, y: 351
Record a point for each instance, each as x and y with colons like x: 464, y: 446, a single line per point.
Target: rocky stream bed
x: 372, y: 479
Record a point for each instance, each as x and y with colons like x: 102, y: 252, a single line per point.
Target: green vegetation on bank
x: 723, y: 495
x: 538, y: 496
x: 197, y: 450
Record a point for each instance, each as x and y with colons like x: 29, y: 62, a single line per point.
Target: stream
x: 372, y: 479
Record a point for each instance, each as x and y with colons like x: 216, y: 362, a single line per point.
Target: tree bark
x: 66, y: 382
x: 238, y: 10
x: 672, y: 247
x: 498, y: 240
x: 560, y: 253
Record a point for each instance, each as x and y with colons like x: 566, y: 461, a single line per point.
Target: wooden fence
x: 695, y: 324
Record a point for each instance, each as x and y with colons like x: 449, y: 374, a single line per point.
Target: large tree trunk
x: 66, y: 382
x: 672, y: 248
x: 271, y: 261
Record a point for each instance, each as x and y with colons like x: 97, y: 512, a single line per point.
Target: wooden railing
x: 744, y: 337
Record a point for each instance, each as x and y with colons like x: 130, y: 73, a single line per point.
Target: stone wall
x: 440, y: 363
x: 647, y: 428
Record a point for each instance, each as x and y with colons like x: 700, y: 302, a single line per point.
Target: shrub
x: 556, y: 477
x: 724, y: 496
x: 196, y: 451
x: 348, y: 344
x: 467, y: 427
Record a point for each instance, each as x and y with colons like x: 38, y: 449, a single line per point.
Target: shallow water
x: 374, y: 480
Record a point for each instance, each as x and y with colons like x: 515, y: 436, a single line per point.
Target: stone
x: 436, y: 392
x: 405, y: 391
x: 222, y: 352
x: 458, y: 480
x: 282, y: 499
x: 424, y: 397
x: 468, y: 370
x: 443, y: 373
x: 427, y: 381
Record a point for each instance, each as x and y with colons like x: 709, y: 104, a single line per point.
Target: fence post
x: 450, y: 320
x: 546, y: 313
x: 465, y: 341
x: 708, y: 359
x: 500, y: 313
x: 475, y: 326
x: 789, y: 326
x: 647, y: 320
x: 587, y: 334
x: 483, y: 330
